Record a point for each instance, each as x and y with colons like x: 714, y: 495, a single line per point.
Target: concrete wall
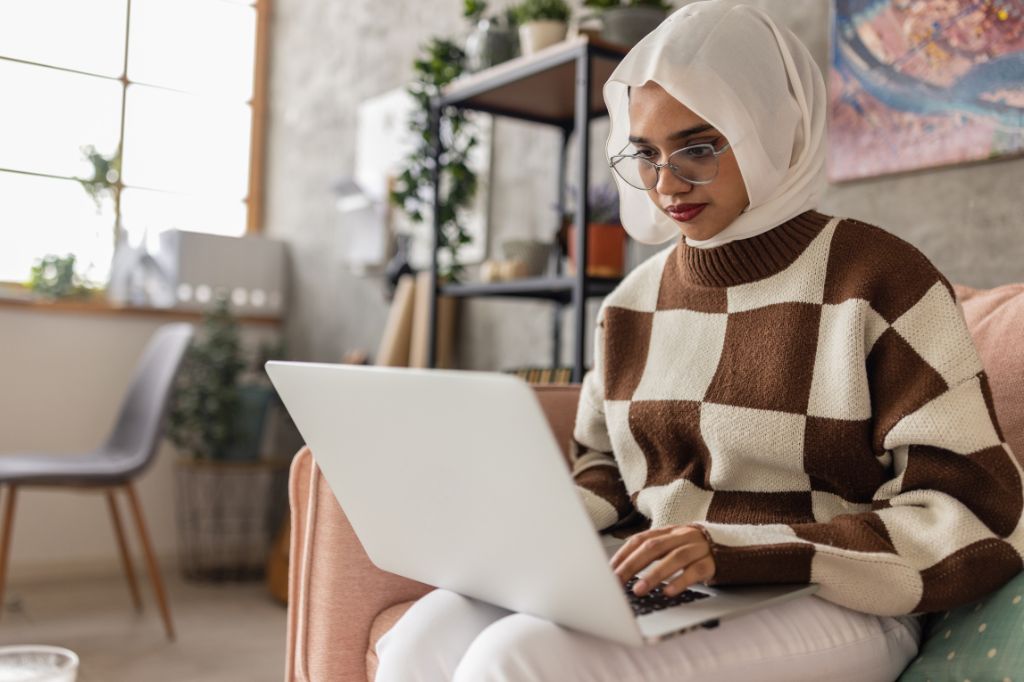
x: 328, y: 56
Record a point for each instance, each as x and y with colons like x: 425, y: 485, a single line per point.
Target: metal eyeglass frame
x: 658, y: 166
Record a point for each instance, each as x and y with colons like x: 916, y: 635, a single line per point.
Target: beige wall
x: 63, y: 378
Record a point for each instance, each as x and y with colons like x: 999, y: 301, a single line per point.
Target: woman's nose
x: 669, y: 183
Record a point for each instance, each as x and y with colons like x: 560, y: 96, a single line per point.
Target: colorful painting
x: 924, y: 83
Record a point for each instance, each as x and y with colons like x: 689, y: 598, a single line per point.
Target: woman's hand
x: 671, y: 549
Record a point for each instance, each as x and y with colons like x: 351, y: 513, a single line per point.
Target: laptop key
x: 656, y: 600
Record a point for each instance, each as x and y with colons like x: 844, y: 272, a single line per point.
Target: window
x: 175, y: 85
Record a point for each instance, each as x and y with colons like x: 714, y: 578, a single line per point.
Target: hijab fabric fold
x: 757, y: 84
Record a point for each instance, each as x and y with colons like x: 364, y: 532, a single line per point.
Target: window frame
x: 254, y: 199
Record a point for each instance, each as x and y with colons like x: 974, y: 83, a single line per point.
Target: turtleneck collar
x: 747, y: 260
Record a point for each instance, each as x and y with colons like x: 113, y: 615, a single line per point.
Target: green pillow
x: 980, y: 642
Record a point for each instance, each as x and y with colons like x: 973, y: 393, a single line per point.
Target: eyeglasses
x: 696, y: 164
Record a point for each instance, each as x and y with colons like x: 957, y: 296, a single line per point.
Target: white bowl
x: 37, y: 663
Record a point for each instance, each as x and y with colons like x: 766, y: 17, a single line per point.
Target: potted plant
x: 226, y: 502
x: 606, y: 238
x: 625, y: 22
x: 492, y: 40
x: 541, y: 23
x: 440, y: 62
x: 54, y: 277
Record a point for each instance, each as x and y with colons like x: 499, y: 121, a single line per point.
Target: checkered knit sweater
x: 812, y: 399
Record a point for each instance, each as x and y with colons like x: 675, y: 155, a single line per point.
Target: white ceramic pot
x: 536, y: 35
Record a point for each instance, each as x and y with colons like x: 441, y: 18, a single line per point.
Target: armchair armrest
x: 334, y: 591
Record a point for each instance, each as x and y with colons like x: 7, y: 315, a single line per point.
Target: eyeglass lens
x: 698, y: 163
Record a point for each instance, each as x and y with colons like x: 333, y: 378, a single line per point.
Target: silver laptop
x: 454, y: 479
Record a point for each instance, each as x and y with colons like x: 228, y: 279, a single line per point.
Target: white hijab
x: 752, y: 80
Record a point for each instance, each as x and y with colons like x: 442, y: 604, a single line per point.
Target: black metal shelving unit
x: 561, y: 87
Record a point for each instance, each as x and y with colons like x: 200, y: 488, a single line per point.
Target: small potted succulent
x: 606, y: 238
x: 541, y: 23
x: 625, y: 22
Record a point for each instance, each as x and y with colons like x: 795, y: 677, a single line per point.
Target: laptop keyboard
x: 655, y: 600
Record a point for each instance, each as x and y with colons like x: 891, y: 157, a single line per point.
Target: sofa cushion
x: 995, y: 318
x: 559, y: 404
x: 979, y: 641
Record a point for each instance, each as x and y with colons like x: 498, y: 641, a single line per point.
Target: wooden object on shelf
x: 447, y: 309
x: 396, y: 341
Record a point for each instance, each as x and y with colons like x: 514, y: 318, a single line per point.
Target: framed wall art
x: 918, y: 84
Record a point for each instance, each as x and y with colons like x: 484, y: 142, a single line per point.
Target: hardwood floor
x: 226, y: 632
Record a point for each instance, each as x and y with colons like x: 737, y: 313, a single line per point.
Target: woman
x: 782, y: 396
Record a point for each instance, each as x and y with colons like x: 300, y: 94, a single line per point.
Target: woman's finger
x: 631, y: 544
x: 678, y: 559
x: 647, y: 551
x: 699, y: 571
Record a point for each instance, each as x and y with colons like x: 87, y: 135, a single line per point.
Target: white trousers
x: 446, y: 636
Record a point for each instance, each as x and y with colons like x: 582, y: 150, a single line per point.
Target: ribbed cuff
x: 788, y: 562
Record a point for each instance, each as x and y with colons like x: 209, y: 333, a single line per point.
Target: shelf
x: 558, y: 289
x: 540, y: 87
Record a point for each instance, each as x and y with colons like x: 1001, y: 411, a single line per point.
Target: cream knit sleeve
x: 945, y: 528
x: 593, y: 465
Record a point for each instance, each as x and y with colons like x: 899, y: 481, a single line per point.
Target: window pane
x: 87, y: 35
x: 47, y: 115
x: 186, y: 144
x: 42, y: 216
x: 193, y: 45
x: 144, y: 211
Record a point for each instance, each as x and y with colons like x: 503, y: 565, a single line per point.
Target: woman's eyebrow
x: 678, y: 135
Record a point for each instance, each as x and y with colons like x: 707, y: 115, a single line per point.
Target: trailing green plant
x: 206, y: 399
x: 541, y: 10
x: 440, y: 62
x: 55, y: 277
x: 106, y: 172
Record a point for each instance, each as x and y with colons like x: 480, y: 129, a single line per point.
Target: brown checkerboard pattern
x: 812, y: 398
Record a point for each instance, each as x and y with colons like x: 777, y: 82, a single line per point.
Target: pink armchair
x: 340, y: 603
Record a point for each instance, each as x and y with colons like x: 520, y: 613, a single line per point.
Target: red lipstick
x: 684, y: 213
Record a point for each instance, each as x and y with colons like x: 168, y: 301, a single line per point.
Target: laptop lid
x: 454, y: 478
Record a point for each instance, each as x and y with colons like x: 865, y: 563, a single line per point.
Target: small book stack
x: 543, y: 375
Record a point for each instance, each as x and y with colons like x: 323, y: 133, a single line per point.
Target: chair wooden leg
x: 5, y: 539
x: 126, y: 557
x: 154, y: 569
